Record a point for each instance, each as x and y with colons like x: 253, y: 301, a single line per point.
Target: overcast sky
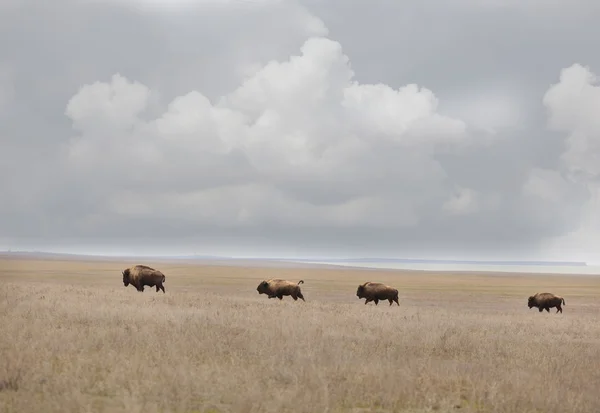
x: 463, y: 129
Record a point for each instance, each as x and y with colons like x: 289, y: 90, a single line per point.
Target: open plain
x: 74, y: 339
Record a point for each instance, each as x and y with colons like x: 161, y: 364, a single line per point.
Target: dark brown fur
x: 545, y: 301
x: 278, y: 288
x: 373, y: 291
x: 141, y: 275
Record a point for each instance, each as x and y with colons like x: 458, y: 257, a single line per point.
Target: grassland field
x: 74, y: 339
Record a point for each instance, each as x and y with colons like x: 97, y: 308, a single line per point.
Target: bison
x: 373, y: 291
x: 141, y: 275
x: 545, y: 301
x: 278, y: 288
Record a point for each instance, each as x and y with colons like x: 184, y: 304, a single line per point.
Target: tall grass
x: 72, y: 347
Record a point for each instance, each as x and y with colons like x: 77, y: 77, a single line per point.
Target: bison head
x: 360, y: 292
x: 530, y: 302
x: 263, y: 288
x: 126, y: 277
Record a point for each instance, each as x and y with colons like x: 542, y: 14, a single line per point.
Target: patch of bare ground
x: 73, y: 339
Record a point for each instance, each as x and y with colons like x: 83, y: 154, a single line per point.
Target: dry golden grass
x: 74, y: 339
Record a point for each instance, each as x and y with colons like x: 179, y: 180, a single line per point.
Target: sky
x: 464, y: 129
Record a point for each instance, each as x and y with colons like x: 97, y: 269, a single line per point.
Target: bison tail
x: 164, y: 278
x: 300, y: 282
x: 563, y: 301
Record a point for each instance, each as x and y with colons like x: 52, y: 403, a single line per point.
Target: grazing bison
x: 141, y: 275
x: 377, y: 291
x: 278, y: 288
x: 545, y: 301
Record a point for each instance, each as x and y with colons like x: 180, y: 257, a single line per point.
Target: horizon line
x: 302, y: 259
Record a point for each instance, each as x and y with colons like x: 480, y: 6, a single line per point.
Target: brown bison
x: 377, y: 291
x: 545, y: 301
x: 141, y: 275
x: 278, y: 288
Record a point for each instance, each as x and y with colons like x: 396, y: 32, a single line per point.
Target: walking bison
x: 278, y: 288
x: 142, y: 275
x: 373, y: 291
x: 545, y: 301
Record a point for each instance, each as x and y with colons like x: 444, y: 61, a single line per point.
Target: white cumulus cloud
x: 573, y: 105
x: 300, y: 142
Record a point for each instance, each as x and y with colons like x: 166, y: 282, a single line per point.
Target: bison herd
x: 142, y: 275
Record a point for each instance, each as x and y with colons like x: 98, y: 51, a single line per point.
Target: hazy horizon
x: 305, y: 258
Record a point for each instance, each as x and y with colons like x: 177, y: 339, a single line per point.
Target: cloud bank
x: 293, y: 152
x: 572, y: 109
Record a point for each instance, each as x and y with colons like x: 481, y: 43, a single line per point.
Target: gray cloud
x: 344, y: 127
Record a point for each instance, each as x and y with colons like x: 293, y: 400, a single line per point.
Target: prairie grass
x: 73, y: 339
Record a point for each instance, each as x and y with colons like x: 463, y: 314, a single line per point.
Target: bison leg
x: 301, y: 296
x: 547, y: 309
x: 367, y: 300
x: 376, y: 301
x: 558, y: 308
x: 541, y: 309
x: 280, y: 296
x: 295, y: 297
x: 396, y: 300
x: 160, y: 287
